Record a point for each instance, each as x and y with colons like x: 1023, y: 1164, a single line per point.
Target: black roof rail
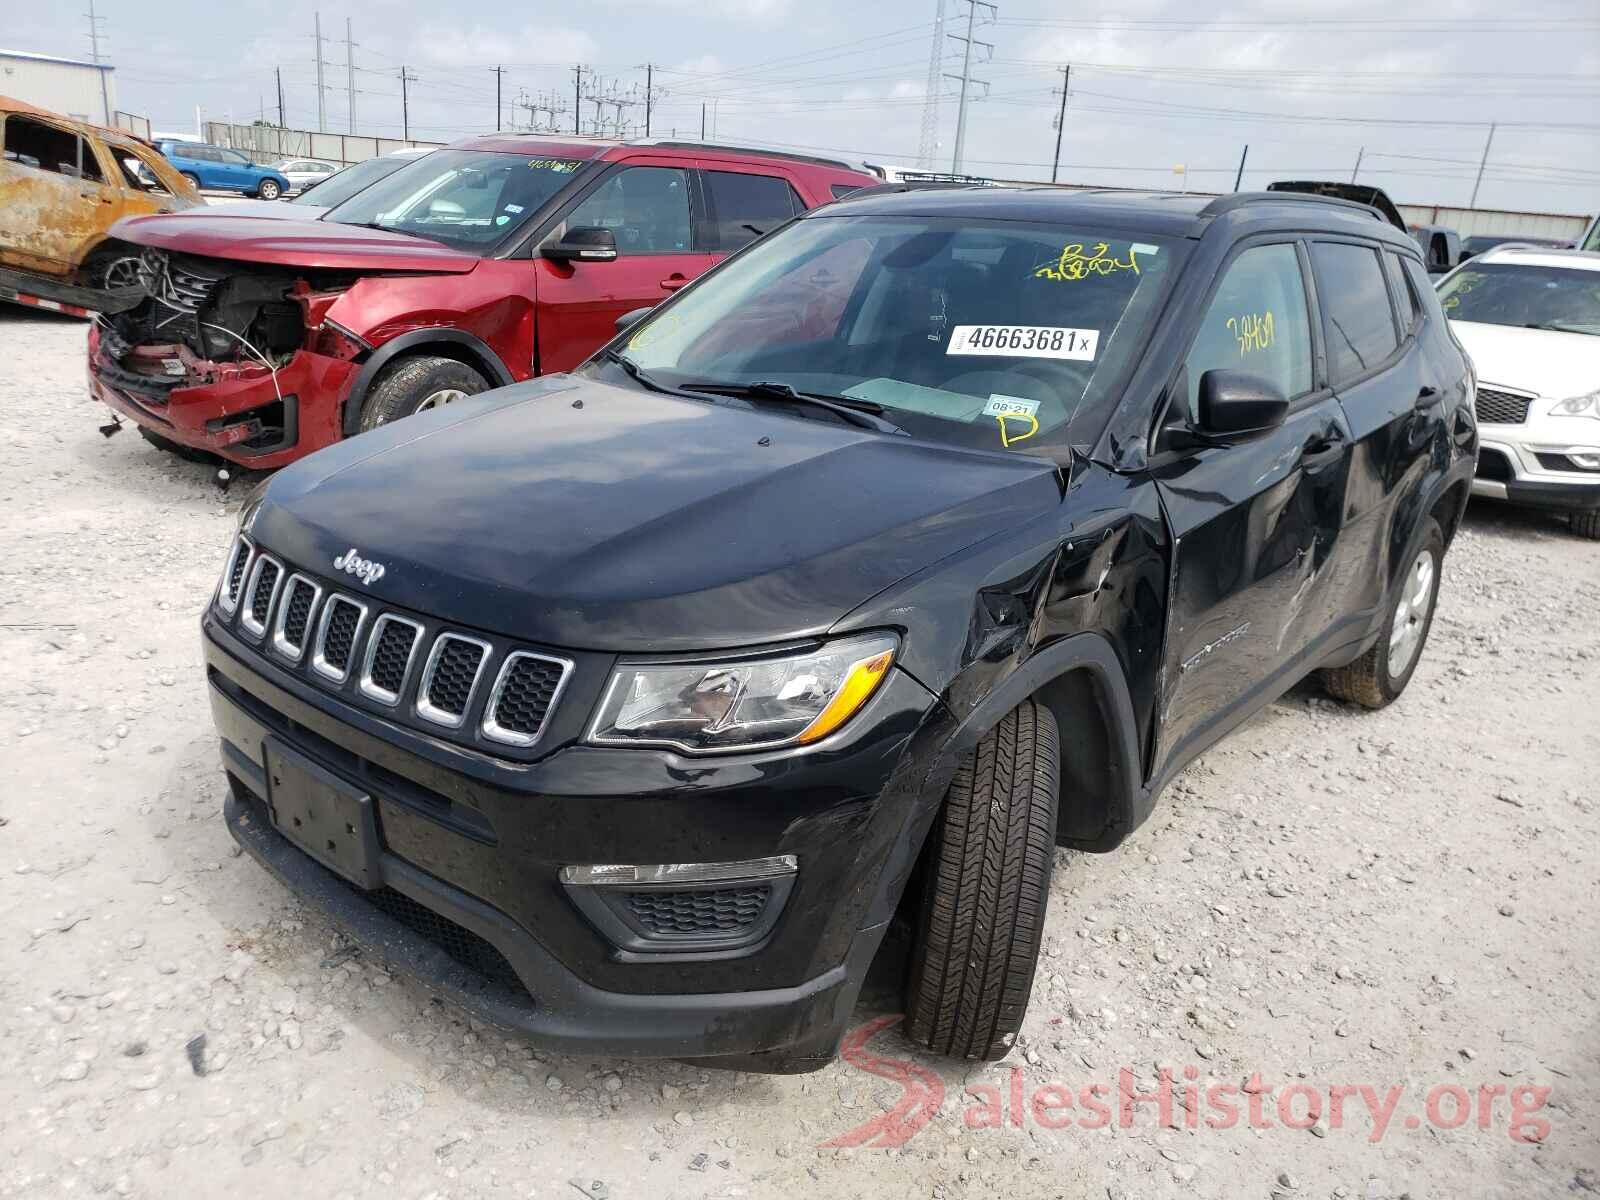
x: 1226, y: 204
x: 913, y: 185
x: 822, y: 159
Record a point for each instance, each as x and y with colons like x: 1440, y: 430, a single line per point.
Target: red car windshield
x: 465, y: 198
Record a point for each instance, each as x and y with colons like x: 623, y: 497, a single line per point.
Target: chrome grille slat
x: 523, y: 696
x: 233, y: 578
x: 255, y: 606
x: 293, y: 625
x: 450, y: 678
x: 338, y: 635
x: 382, y: 678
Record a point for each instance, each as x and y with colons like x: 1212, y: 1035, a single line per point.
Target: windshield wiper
x: 861, y: 413
x: 638, y: 372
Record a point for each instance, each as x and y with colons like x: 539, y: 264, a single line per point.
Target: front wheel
x: 269, y: 189
x: 1587, y: 524
x: 416, y: 384
x: 987, y: 882
x: 1379, y: 676
x: 194, y: 180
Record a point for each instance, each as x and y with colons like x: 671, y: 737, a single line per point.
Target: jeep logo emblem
x: 364, y: 569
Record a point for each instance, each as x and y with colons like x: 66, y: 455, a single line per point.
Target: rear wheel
x: 268, y: 189
x: 1381, y: 674
x: 417, y: 384
x: 987, y: 884
x: 1587, y: 524
x: 192, y: 178
x: 111, y: 267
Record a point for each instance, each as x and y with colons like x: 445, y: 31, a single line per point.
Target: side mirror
x: 1236, y: 404
x: 587, y: 243
x: 631, y: 318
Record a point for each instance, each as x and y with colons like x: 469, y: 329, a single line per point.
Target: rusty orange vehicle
x: 63, y: 184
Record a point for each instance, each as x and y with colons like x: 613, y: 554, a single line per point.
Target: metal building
x: 85, y: 90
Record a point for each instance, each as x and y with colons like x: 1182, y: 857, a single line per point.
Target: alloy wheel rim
x: 440, y: 398
x: 1411, y: 614
x: 121, y: 273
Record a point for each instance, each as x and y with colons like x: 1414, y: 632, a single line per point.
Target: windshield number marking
x: 1025, y: 341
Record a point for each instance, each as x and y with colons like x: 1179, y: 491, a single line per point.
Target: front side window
x: 743, y: 207
x: 233, y: 158
x: 646, y: 208
x: 1526, y: 295
x: 465, y: 198
x: 34, y: 144
x: 1355, y: 307
x: 1257, y: 322
x: 995, y: 335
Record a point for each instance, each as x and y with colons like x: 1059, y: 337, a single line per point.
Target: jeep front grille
x: 450, y: 677
x: 1496, y: 407
x: 407, y: 666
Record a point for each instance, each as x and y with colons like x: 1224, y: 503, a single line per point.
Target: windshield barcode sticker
x: 1024, y: 341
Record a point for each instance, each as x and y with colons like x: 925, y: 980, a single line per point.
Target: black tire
x: 112, y: 267
x: 268, y: 189
x: 1587, y: 525
x: 408, y: 384
x: 187, y: 453
x: 987, y: 881
x: 192, y: 178
x: 1369, y: 680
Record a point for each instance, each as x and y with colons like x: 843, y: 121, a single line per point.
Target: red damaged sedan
x: 490, y: 262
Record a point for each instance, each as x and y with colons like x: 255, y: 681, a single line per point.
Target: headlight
x: 1579, y: 406
x: 756, y: 704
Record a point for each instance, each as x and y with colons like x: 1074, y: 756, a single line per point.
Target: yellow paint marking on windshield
x: 1074, y: 265
x: 1005, y: 436
x: 1253, y: 331
x: 562, y: 165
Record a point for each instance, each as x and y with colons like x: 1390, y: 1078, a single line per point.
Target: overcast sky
x: 1155, y: 83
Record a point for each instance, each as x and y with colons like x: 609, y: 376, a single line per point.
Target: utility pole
x: 1482, y: 163
x: 1239, y: 178
x: 966, y: 75
x: 702, y: 120
x: 350, y: 73
x: 577, y: 98
x: 94, y: 52
x: 406, y: 77
x: 1061, y: 120
x: 649, y: 94
x: 499, y: 75
x: 280, y: 97
x: 322, y: 103
x: 1360, y: 154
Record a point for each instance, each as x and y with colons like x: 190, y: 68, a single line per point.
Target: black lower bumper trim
x: 1576, y: 497
x: 557, y: 1010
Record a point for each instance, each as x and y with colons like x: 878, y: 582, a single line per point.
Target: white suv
x: 1530, y: 319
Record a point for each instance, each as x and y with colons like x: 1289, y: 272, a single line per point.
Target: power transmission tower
x: 406, y: 77
x: 94, y: 52
x: 928, y: 146
x: 350, y: 73
x: 322, y: 103
x: 967, y: 81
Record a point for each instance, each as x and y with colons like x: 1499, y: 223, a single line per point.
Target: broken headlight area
x: 208, y: 320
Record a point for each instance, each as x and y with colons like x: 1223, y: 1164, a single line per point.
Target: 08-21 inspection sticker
x: 1024, y: 341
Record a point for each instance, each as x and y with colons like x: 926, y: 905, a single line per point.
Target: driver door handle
x: 1426, y: 396
x: 1320, y: 450
x: 674, y: 281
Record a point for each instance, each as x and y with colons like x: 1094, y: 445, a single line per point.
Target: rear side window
x: 743, y: 207
x: 841, y: 190
x: 1355, y: 306
x: 35, y: 144
x: 1257, y: 321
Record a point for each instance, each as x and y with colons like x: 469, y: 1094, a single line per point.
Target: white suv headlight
x: 750, y: 704
x: 1579, y: 406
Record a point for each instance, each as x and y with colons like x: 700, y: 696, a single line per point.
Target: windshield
x: 465, y: 198
x: 341, y: 185
x: 990, y: 334
x: 1526, y: 295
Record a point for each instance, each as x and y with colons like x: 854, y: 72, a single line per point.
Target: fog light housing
x: 694, y: 909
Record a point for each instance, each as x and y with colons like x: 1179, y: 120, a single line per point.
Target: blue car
x: 222, y: 169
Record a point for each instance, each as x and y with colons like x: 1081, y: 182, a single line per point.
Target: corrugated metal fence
x: 1470, y: 221
x: 268, y: 143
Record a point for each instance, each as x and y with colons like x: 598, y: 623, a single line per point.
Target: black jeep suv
x: 629, y: 708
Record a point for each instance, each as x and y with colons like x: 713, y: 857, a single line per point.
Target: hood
x: 1546, y: 362
x: 291, y: 243
x: 275, y: 210
x: 587, y: 516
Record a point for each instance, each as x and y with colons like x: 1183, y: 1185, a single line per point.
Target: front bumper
x: 1523, y: 464
x: 481, y: 845
x: 222, y: 418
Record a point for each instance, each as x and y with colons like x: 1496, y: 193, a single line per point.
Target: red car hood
x: 294, y: 243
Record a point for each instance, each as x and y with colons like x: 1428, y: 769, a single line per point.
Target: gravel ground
x: 1330, y: 899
